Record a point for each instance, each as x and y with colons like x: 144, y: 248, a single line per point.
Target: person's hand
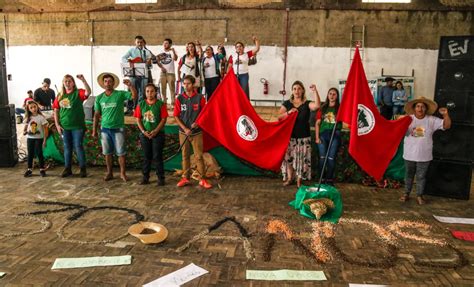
x: 148, y: 62
x: 318, y: 140
x: 127, y: 82
x: 187, y: 131
x: 163, y: 70
x: 443, y: 111
x: 81, y: 77
x: 60, y: 129
x: 198, y: 43
x: 153, y: 133
x: 44, y: 143
x: 147, y: 134
x: 254, y: 39
x: 194, y: 125
x: 312, y: 88
x: 24, y: 133
x: 293, y: 110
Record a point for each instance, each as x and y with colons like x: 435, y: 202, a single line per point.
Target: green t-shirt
x: 150, y: 114
x: 111, y: 108
x: 328, y: 120
x: 71, y: 111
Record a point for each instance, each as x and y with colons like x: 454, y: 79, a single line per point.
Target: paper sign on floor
x: 2, y: 274
x: 461, y: 220
x: 178, y: 277
x: 81, y: 262
x: 285, y: 274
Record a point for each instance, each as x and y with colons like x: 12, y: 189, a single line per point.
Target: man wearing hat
x: 110, y: 106
x: 418, y: 143
x: 385, y: 99
x: 45, y: 96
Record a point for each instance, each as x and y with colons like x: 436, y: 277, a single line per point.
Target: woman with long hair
x: 190, y: 64
x: 70, y: 121
x: 212, y: 71
x: 297, y: 161
x: 325, y: 121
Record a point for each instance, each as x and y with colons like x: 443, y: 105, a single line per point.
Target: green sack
x: 310, y: 192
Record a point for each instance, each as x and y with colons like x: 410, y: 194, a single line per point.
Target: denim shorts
x: 113, y: 140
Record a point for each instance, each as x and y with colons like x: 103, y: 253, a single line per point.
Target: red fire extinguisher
x: 265, y: 85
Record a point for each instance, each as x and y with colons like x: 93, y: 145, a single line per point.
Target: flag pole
x: 326, y: 157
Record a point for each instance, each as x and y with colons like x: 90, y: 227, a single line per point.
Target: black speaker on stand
x: 449, y: 174
x: 8, y: 140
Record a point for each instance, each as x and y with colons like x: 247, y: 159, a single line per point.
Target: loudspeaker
x: 7, y: 121
x: 456, y: 143
x: 8, y: 152
x: 456, y: 47
x: 3, y: 75
x: 460, y: 104
x: 449, y: 179
x: 455, y: 74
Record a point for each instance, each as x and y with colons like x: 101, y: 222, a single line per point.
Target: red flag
x: 374, y: 140
x: 230, y: 119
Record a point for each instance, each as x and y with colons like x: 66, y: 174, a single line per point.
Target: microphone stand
x: 326, y: 156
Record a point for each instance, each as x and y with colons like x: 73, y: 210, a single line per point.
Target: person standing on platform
x: 399, y: 99
x: 418, y: 143
x: 325, y: 121
x: 45, y: 96
x: 187, y: 108
x: 240, y: 62
x: 138, y: 54
x: 151, y: 114
x: 385, y: 99
x: 190, y: 64
x: 297, y: 161
x: 70, y: 121
x: 211, y: 65
x: 109, y: 106
x: 166, y: 59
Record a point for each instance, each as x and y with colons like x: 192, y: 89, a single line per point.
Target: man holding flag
x: 373, y: 139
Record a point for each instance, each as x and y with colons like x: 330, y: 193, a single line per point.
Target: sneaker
x: 161, y: 181
x: 83, y: 172
x: 205, y: 184
x: 66, y: 172
x: 43, y: 173
x: 145, y: 180
x: 183, y: 182
x: 28, y: 173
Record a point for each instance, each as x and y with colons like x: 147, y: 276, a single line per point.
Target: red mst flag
x: 231, y: 120
x: 374, y: 140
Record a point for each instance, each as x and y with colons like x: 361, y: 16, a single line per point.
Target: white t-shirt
x: 418, y: 143
x: 240, y: 63
x: 210, y: 68
x: 167, y: 62
x: 35, y: 129
x: 189, y: 66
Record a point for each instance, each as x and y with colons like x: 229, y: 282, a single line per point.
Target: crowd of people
x: 197, y: 70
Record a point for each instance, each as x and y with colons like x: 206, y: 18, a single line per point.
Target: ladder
x: 357, y: 39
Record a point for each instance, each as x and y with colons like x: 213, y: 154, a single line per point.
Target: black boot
x: 145, y: 180
x: 161, y: 181
x: 83, y: 172
x: 66, y: 172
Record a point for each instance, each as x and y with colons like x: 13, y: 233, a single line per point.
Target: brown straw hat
x: 100, y: 80
x: 156, y: 232
x: 431, y: 106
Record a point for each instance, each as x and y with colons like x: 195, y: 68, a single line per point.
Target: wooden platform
x: 253, y: 201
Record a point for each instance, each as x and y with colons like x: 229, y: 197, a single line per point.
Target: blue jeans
x: 398, y: 110
x: 113, y: 140
x: 325, y: 137
x: 418, y: 170
x: 74, y: 138
x: 139, y: 83
x: 244, y: 83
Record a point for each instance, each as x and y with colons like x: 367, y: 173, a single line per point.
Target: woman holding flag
x: 297, y: 161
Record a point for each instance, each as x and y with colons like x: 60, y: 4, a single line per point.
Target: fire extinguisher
x: 265, y: 85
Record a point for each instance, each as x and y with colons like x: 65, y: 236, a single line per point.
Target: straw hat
x: 158, y: 236
x: 100, y: 80
x: 432, y: 106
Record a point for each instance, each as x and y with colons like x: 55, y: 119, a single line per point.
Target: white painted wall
x: 28, y: 65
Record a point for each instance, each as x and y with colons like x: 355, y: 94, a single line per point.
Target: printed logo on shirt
x: 108, y: 105
x: 246, y: 129
x: 33, y: 128
x: 166, y: 58
x: 330, y: 118
x: 65, y: 103
x: 365, y: 120
x: 418, y: 132
x: 149, y: 117
x: 195, y: 107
